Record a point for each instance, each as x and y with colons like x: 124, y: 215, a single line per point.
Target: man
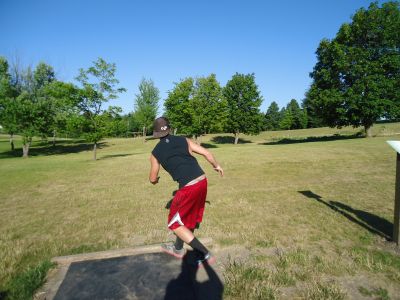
x: 175, y: 155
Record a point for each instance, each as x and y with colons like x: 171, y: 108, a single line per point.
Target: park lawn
x: 309, y: 210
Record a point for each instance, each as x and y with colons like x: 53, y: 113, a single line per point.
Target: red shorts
x: 187, y: 207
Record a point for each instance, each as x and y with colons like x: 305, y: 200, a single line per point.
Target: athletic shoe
x: 208, y: 259
x: 171, y: 250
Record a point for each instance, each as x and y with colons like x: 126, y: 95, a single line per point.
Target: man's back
x: 172, y: 152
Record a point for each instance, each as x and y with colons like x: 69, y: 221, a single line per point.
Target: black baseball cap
x: 161, y: 127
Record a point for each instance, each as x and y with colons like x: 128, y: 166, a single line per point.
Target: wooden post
x: 396, y: 219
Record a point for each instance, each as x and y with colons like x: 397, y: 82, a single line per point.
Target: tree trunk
x: 368, y: 131
x: 25, y: 149
x: 12, y: 141
x: 54, y: 138
x: 94, y: 150
x: 236, y: 137
x: 144, y: 134
x: 175, y: 131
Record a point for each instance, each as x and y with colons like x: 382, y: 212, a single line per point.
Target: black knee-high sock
x: 197, y: 245
x: 178, y: 244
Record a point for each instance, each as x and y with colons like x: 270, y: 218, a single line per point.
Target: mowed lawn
x: 301, y: 214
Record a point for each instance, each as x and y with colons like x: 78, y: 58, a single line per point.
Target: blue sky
x: 167, y: 41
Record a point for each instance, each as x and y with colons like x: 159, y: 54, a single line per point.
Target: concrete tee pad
x: 134, y: 273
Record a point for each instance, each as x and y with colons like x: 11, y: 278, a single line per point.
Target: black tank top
x: 172, y: 152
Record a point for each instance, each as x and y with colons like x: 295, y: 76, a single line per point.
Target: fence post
x: 396, y: 219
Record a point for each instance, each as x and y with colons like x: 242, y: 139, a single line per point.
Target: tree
x: 116, y: 125
x: 43, y: 75
x: 146, y: 104
x: 98, y: 87
x: 7, y: 103
x: 299, y: 116
x: 356, y: 80
x: 244, y: 100
x: 63, y: 99
x: 35, y: 111
x: 272, y: 117
x: 39, y: 85
x: 24, y: 109
x: 197, y: 106
x: 208, y: 107
x: 286, y: 121
x: 177, y: 105
x: 313, y: 119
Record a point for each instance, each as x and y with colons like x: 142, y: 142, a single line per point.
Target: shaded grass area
x: 310, y: 139
x: 328, y: 207
x: 45, y: 148
x: 373, y: 223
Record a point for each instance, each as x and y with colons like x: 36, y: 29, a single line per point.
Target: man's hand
x: 219, y: 170
x: 155, y: 181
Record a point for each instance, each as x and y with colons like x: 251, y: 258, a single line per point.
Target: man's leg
x: 188, y: 237
x: 179, y: 242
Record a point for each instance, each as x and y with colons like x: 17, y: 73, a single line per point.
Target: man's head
x: 161, y: 127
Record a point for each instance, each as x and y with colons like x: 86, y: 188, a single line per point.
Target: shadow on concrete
x: 144, y: 276
x: 372, y: 223
x: 210, y: 289
x: 310, y: 139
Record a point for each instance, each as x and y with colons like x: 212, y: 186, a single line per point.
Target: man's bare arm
x: 154, y: 169
x: 193, y: 147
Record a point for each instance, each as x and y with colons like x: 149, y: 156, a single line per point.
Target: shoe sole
x: 180, y: 256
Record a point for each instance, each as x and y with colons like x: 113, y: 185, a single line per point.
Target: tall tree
x: 177, y: 105
x: 35, y: 113
x: 42, y: 77
x: 44, y: 74
x: 7, y: 102
x: 25, y: 110
x: 356, y: 80
x: 146, y: 104
x: 63, y: 99
x: 98, y: 87
x: 244, y: 100
x: 314, y: 120
x: 208, y: 107
x: 197, y: 106
x: 272, y: 117
x: 299, y: 116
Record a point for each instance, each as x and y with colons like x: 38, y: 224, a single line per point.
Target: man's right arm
x: 193, y: 147
x: 154, y: 169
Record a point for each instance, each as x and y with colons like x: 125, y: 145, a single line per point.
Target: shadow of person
x: 186, y: 286
x: 373, y: 223
x: 380, y: 224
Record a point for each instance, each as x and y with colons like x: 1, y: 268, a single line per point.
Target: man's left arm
x: 154, y: 169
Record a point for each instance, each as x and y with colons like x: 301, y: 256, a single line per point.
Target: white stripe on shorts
x: 176, y: 218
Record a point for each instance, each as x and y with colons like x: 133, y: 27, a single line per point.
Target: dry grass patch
x: 321, y: 200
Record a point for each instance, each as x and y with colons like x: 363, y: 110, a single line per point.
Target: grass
x: 307, y: 204
x: 23, y: 285
x: 380, y: 293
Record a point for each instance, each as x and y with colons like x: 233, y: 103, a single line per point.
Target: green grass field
x: 300, y: 214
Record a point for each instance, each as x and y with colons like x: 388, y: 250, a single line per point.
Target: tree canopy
x: 244, y: 100
x: 98, y: 87
x: 356, y: 80
x: 146, y: 104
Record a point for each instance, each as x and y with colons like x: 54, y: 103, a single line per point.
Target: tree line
x: 355, y: 82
